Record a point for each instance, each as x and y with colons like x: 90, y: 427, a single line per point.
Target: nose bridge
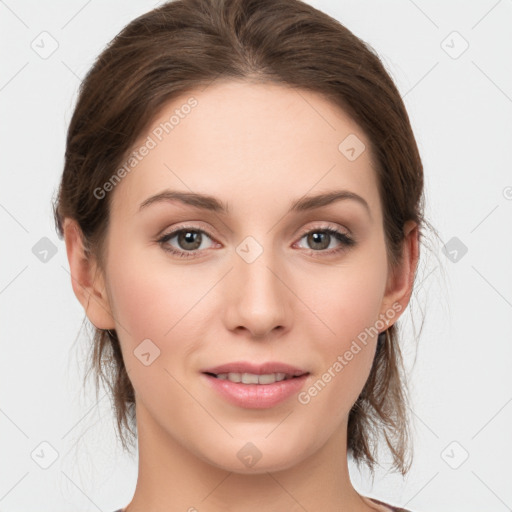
x: 258, y: 297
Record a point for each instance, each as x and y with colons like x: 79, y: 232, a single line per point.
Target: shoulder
x: 385, y: 507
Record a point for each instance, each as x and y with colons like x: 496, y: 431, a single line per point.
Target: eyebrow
x: 207, y: 202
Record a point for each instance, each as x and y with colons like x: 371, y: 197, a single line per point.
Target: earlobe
x: 86, y: 278
x: 401, y: 280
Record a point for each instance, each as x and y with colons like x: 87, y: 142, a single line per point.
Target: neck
x: 172, y: 478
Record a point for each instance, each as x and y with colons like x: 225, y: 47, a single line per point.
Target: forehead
x: 244, y: 142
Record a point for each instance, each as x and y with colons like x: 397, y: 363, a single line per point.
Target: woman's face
x: 257, y: 282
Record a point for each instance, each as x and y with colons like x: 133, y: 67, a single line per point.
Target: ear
x: 86, y: 278
x: 401, y: 279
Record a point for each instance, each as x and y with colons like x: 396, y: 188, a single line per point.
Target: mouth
x: 248, y: 372
x: 254, y: 378
x: 251, y: 385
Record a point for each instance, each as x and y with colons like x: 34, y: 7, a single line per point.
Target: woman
x: 242, y: 206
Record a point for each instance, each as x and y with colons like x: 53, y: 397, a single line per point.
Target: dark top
x: 391, y: 507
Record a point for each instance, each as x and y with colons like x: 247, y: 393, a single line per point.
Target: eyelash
x: 346, y: 241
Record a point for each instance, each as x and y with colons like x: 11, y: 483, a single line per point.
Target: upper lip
x: 257, y: 369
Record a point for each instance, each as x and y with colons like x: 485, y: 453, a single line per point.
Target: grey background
x: 460, y: 105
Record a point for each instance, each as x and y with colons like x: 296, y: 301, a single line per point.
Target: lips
x: 235, y: 383
x: 256, y: 369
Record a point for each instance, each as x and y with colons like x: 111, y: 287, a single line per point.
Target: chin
x: 260, y: 468
x: 251, y: 460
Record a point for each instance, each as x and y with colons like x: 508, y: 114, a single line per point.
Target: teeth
x: 251, y: 378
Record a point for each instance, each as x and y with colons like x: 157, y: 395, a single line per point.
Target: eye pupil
x: 316, y: 238
x: 187, y: 237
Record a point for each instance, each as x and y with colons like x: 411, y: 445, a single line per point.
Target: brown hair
x: 185, y: 44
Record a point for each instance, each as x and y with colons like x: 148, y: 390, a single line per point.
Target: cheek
x: 154, y: 302
x: 149, y: 297
x: 348, y: 301
x: 348, y: 298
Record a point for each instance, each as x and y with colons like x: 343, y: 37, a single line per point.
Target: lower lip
x: 256, y: 396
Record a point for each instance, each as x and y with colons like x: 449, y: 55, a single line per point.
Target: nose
x: 258, y: 298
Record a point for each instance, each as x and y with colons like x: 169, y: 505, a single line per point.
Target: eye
x: 189, y: 241
x: 321, y: 238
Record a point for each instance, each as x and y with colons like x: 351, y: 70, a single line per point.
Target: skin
x: 291, y: 304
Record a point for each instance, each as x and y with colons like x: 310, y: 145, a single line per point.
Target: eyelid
x: 192, y: 224
x: 324, y: 225
x: 200, y: 226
